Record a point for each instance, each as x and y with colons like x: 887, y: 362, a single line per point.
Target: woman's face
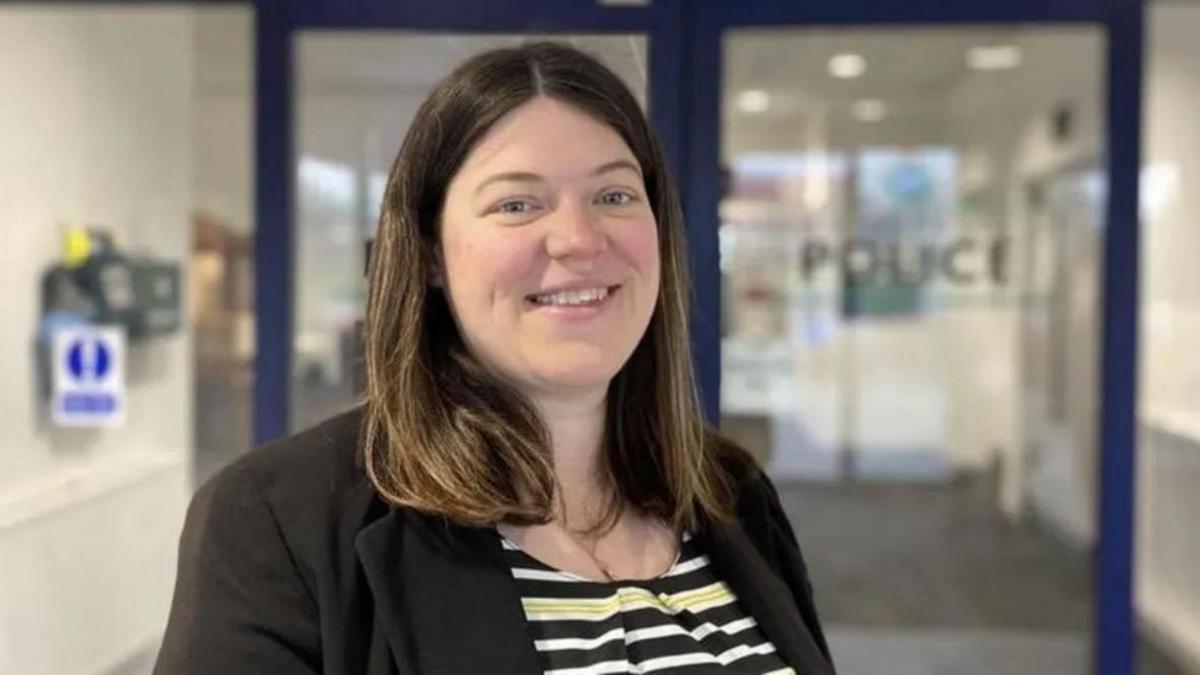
x: 549, y: 250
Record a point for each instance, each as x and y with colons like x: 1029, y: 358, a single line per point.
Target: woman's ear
x: 436, y: 278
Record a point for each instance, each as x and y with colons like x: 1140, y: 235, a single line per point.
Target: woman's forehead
x: 549, y: 137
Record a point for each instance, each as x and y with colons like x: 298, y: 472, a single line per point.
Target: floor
x: 872, y: 651
x: 925, y: 579
x: 934, y: 555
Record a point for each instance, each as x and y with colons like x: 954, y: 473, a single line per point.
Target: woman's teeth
x: 584, y: 296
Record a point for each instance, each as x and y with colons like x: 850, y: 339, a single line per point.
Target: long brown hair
x: 444, y: 436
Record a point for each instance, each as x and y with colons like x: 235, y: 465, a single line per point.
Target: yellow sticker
x: 77, y: 247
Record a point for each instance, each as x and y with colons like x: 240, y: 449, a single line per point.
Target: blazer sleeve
x: 240, y: 605
x: 789, y: 562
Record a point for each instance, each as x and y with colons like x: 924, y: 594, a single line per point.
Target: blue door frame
x: 685, y: 107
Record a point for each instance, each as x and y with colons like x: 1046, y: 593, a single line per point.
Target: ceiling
x: 920, y: 74
x: 900, y: 62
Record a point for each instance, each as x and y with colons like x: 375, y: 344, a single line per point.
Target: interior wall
x: 1059, y: 482
x: 96, y: 130
x: 1062, y: 69
x: 1168, y: 578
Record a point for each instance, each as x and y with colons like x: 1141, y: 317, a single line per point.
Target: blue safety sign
x: 89, y: 376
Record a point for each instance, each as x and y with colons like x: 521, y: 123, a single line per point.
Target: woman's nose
x: 575, y: 232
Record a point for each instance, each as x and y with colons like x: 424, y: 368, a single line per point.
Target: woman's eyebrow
x: 615, y: 165
x: 529, y: 177
x: 518, y: 176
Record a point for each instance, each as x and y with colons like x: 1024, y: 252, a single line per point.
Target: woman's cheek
x: 490, y: 264
x: 641, y: 246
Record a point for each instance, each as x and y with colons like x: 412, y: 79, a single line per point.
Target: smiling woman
x: 530, y: 486
x: 554, y: 295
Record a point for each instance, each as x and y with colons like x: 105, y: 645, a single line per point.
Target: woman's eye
x: 517, y: 206
x: 617, y: 198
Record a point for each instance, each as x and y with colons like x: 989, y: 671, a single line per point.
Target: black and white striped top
x: 685, y: 622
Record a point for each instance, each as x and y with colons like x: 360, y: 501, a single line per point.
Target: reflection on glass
x: 908, y: 254
x: 356, y: 93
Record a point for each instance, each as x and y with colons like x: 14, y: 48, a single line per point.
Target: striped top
x: 685, y: 622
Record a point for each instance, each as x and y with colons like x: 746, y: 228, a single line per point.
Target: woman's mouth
x: 579, y: 297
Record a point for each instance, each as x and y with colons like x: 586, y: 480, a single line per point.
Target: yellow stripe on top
x: 627, y: 599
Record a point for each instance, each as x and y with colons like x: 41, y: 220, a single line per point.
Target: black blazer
x: 289, y: 563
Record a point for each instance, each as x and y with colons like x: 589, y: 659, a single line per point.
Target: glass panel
x: 910, y: 239
x: 222, y: 259
x: 356, y: 94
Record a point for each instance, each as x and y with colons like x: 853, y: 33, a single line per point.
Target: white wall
x: 1004, y: 118
x: 1059, y: 481
x: 95, y: 130
x: 1168, y: 576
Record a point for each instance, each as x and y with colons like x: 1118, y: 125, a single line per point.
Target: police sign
x: 89, y: 376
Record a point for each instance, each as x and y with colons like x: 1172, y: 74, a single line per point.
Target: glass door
x: 896, y: 205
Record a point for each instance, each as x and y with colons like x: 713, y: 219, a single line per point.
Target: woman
x: 529, y: 486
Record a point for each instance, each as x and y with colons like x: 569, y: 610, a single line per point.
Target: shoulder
x: 756, y: 503
x: 760, y: 514
x: 748, y: 483
x: 308, y: 491
x: 260, y: 546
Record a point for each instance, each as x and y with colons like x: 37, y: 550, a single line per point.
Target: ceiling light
x: 847, y: 66
x: 869, y: 110
x: 998, y: 57
x: 753, y: 101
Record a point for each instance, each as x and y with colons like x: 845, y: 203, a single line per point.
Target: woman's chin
x: 575, y: 377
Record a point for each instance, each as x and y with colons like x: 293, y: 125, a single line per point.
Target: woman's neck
x: 636, y: 547
x: 576, y: 427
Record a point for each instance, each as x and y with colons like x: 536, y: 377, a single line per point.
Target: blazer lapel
x: 765, y: 596
x: 446, y: 599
